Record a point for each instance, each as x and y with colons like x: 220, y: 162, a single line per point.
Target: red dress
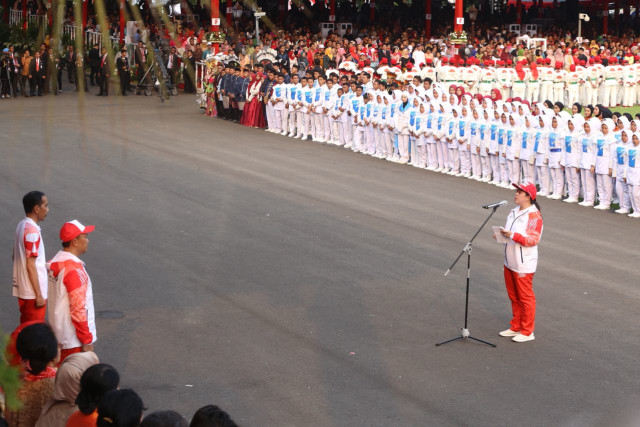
x: 253, y: 114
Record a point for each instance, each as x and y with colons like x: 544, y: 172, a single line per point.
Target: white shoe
x: 486, y: 179
x: 437, y: 170
x: 588, y: 205
x: 509, y: 333
x: 523, y: 338
x: 348, y: 146
x: 622, y: 211
x: 634, y: 215
x: 492, y: 182
x: 602, y: 207
x: 555, y: 197
x: 570, y: 200
x: 430, y: 168
x: 445, y: 171
x: 543, y: 193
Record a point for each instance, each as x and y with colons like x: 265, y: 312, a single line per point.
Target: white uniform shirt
x: 28, y: 243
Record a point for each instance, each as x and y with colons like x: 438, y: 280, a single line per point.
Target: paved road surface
x: 298, y: 284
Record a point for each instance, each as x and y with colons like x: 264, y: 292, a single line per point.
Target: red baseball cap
x: 528, y: 188
x: 72, y: 229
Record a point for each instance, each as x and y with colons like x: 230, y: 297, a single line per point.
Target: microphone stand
x: 467, y: 248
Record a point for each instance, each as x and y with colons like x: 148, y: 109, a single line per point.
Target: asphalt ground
x: 299, y: 284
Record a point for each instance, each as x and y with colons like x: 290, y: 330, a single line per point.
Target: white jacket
x: 70, y: 306
x: 521, y: 253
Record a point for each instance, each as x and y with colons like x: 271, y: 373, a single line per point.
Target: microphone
x: 495, y: 205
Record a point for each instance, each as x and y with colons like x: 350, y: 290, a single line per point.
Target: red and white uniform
x: 520, y: 262
x: 71, y: 313
x: 28, y: 244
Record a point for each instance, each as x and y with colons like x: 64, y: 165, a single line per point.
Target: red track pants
x: 523, y: 300
x: 29, y: 312
x: 66, y: 352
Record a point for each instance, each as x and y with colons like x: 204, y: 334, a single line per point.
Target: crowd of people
x: 63, y: 382
x: 494, y: 112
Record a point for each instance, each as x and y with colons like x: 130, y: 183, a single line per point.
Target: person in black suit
x: 188, y: 73
x: 37, y: 74
x: 384, y: 52
x: 70, y: 61
x: 172, y: 67
x: 94, y: 63
x: 122, y: 64
x: 44, y: 55
x: 105, y: 73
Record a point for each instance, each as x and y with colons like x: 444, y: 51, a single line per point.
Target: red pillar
x: 332, y: 10
x: 605, y: 17
x: 458, y: 18
x: 616, y: 14
x: 5, y: 11
x: 122, y: 23
x: 540, y: 9
x: 427, y: 18
x: 24, y: 14
x: 281, y: 10
x: 519, y: 13
x: 84, y: 16
x: 215, y: 20
x: 229, y: 10
x: 372, y: 11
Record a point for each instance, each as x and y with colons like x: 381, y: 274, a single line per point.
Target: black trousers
x: 104, y: 85
x: 93, y: 77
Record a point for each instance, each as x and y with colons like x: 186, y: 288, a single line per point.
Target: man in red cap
x: 629, y: 84
x: 71, y: 313
x: 573, y: 79
x: 559, y: 79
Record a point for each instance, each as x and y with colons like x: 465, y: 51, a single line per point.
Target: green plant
x: 9, y: 377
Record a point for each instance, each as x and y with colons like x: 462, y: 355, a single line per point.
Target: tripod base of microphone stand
x: 464, y: 334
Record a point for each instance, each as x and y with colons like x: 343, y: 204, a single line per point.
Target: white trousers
x: 558, y: 93
x: 604, y: 185
x: 573, y: 182
x: 588, y: 185
x: 557, y: 178
x: 276, y: 120
x: 610, y: 95
x: 454, y: 159
x: 622, y: 189
x: 495, y: 167
x: 403, y: 147
x: 546, y: 91
x: 432, y: 155
x: 476, y: 167
x: 318, y: 126
x: 285, y: 120
x: 528, y: 170
x: 533, y: 92
x: 465, y: 161
x: 485, y: 162
x: 634, y: 197
x: 514, y: 171
x: 543, y: 178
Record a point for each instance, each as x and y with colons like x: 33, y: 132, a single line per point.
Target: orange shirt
x: 78, y: 419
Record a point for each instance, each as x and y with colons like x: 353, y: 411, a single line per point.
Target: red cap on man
x: 547, y: 61
x: 72, y: 229
x: 528, y: 188
x: 592, y: 60
x: 384, y: 61
x: 572, y: 67
x: 444, y: 60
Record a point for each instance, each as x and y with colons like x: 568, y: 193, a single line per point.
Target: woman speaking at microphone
x: 523, y: 229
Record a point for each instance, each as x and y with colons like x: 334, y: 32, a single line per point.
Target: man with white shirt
x: 278, y: 96
x: 29, y: 266
x: 418, y: 56
x: 318, y: 109
x: 292, y: 101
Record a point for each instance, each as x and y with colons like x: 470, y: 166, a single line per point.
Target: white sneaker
x: 543, y: 193
x: 555, y: 197
x: 570, y: 200
x: 523, y: 338
x: 634, y: 215
x: 347, y: 146
x: 622, y: 211
x: 588, y: 205
x: 437, y: 170
x: 509, y: 333
x: 486, y: 179
x: 602, y: 207
x: 430, y: 168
